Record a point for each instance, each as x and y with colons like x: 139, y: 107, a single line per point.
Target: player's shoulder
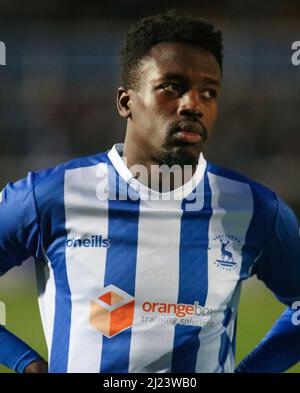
x: 48, y: 184
x: 263, y: 197
x: 46, y: 181
x: 57, y: 172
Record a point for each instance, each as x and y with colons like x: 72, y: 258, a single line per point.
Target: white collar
x: 115, y: 156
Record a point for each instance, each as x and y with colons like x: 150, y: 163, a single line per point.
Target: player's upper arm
x: 279, y: 264
x: 19, y: 234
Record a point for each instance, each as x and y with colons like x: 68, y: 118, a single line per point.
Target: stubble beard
x: 176, y: 152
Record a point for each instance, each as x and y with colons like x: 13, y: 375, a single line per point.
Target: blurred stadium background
x: 57, y: 101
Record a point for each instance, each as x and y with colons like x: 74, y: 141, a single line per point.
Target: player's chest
x: 157, y: 257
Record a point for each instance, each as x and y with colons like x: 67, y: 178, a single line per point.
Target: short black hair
x: 166, y: 27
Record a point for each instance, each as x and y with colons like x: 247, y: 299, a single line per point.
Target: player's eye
x: 209, y: 94
x: 172, y: 87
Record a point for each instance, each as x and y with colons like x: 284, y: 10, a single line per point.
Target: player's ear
x: 123, y: 102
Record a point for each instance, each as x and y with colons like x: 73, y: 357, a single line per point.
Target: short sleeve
x: 19, y: 234
x: 279, y: 264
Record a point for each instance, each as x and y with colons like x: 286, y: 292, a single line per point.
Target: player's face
x: 174, y: 107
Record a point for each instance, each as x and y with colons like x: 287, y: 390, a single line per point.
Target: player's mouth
x: 188, y: 136
x: 190, y: 132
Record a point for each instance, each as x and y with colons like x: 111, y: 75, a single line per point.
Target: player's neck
x: 152, y: 173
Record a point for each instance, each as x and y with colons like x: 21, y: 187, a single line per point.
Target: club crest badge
x: 230, y: 248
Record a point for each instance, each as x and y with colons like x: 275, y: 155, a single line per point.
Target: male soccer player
x: 140, y: 278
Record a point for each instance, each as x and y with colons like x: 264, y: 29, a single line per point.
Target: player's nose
x: 190, y: 104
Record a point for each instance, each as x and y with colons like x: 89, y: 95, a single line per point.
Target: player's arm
x: 19, y: 239
x: 279, y: 350
x: 17, y: 355
x: 279, y: 268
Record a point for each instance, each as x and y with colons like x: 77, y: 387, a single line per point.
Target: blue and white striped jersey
x: 129, y: 283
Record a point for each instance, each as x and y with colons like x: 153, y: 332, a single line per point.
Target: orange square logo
x: 112, y: 312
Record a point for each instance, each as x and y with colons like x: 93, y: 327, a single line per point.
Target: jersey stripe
x: 231, y: 329
x: 258, y: 233
x: 232, y: 212
x: 46, y: 297
x: 157, y: 276
x: 86, y: 216
x: 63, y: 306
x: 120, y: 268
x: 193, y: 282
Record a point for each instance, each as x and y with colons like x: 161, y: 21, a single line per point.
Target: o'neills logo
x: 93, y: 241
x: 180, y: 310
